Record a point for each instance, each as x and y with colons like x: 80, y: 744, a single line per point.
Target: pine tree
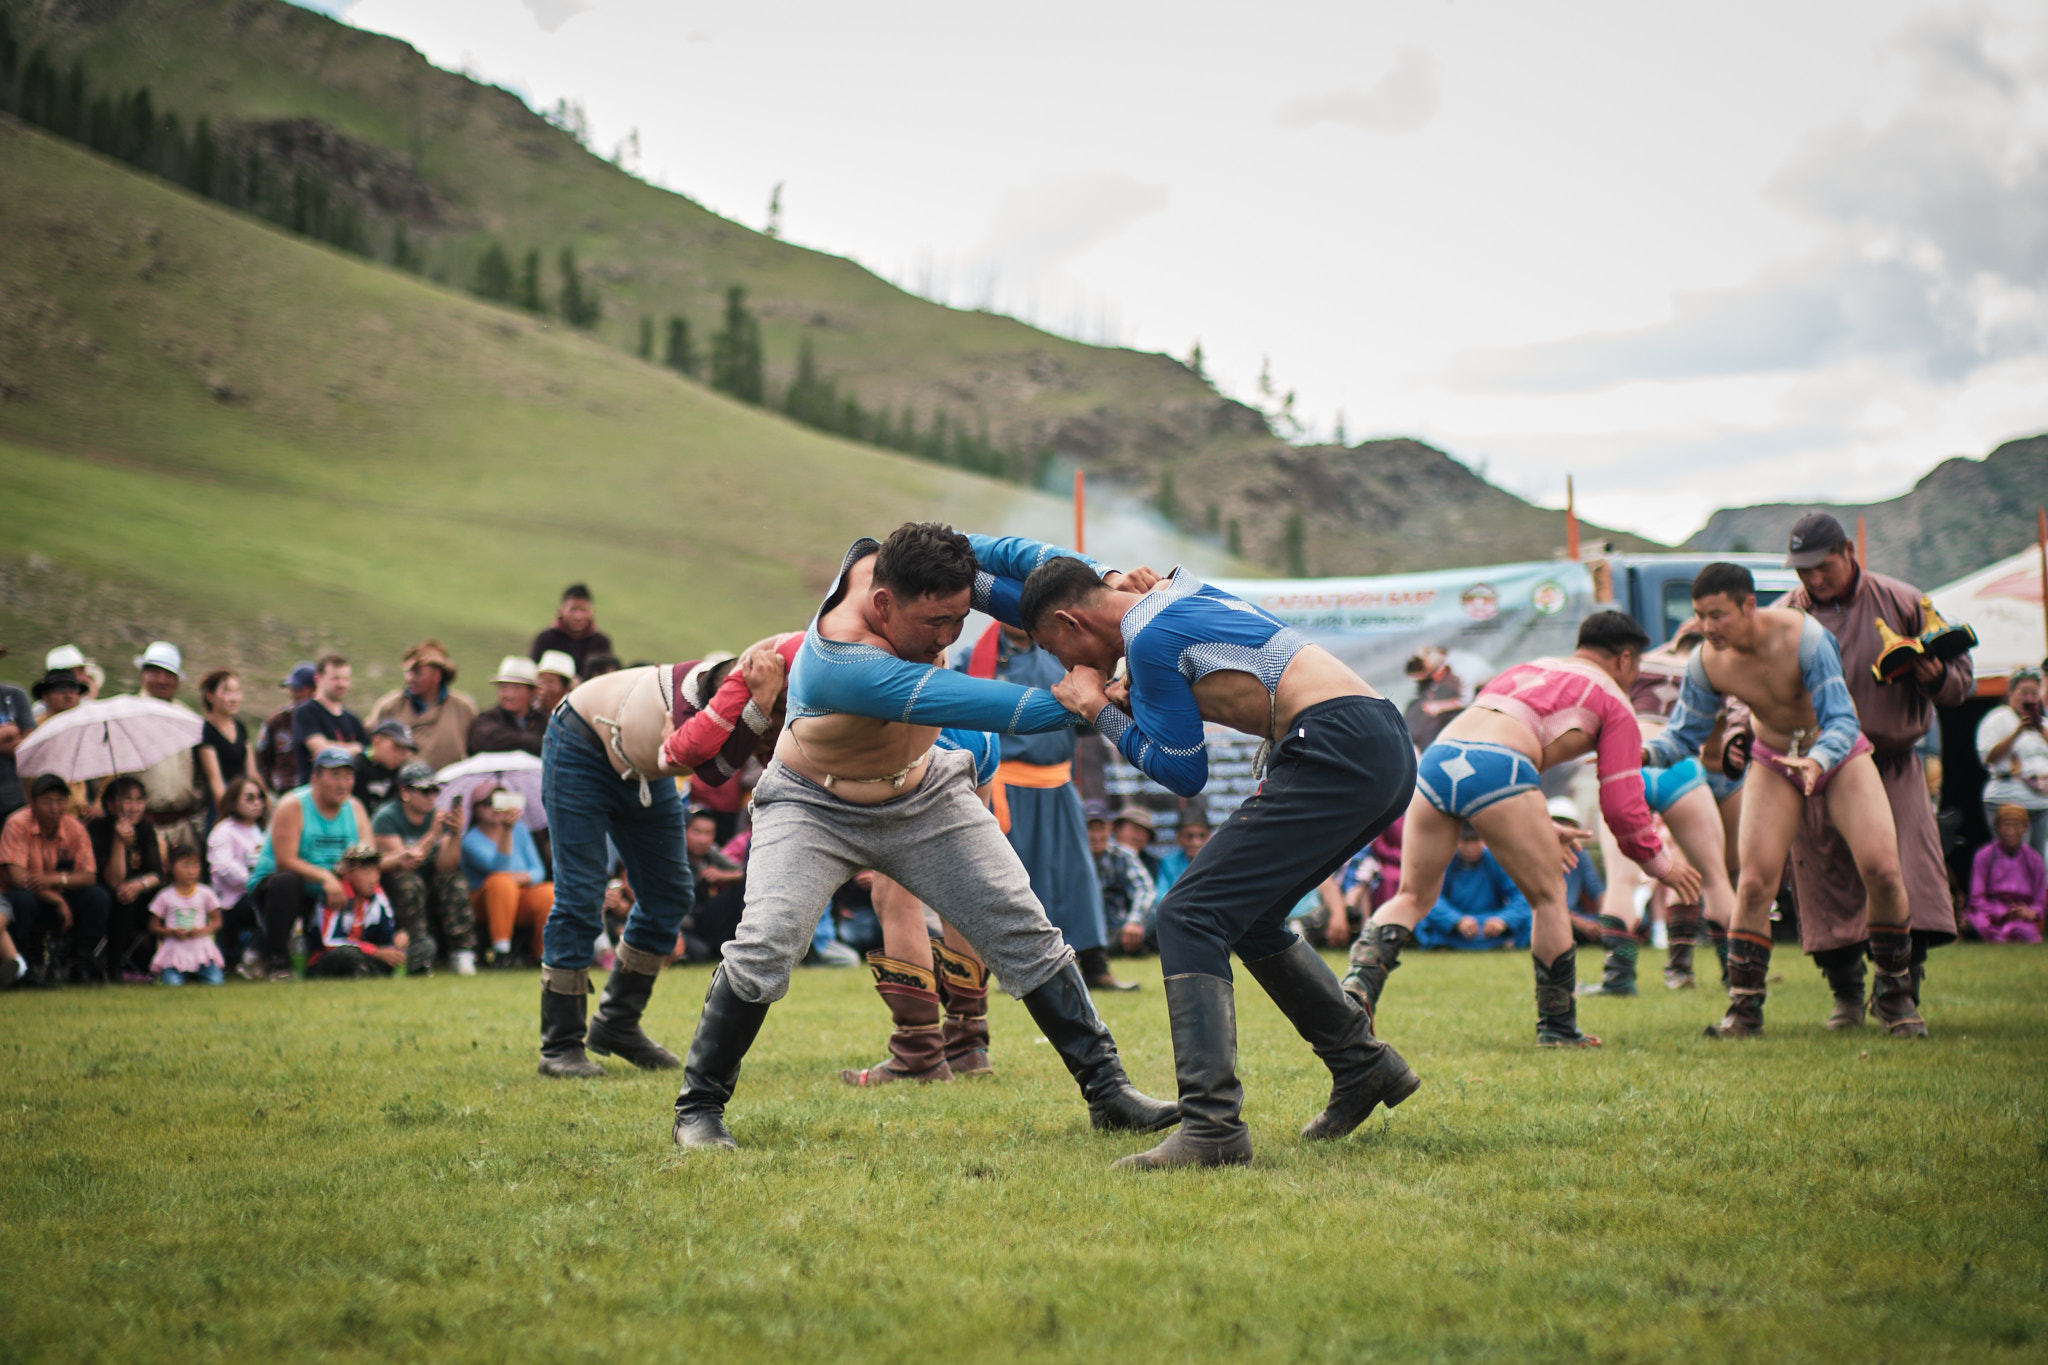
x: 1195, y: 362
x: 1294, y: 548
x: 404, y: 255
x: 1211, y: 519
x: 10, y: 60
x: 681, y: 356
x: 493, y: 276
x: 580, y: 308
x: 775, y: 211
x: 812, y: 399
x: 646, y: 351
x: 202, y: 166
x: 1167, y: 501
x: 1342, y: 439
x: 1234, y: 541
x: 529, y: 285
x: 736, y: 351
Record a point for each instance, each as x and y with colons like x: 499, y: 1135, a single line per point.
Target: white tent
x: 2002, y: 603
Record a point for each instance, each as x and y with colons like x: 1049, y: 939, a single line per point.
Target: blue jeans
x: 211, y: 974
x: 586, y: 800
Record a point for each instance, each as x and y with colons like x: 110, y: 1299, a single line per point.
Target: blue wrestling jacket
x: 1820, y: 669
x: 986, y: 748
x: 834, y: 677
x: 1180, y: 632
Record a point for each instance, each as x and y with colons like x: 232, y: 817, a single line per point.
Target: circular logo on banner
x: 1547, y: 597
x: 1480, y: 602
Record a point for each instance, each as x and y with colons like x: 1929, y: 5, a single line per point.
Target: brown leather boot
x: 1891, y: 999
x: 917, y: 1048
x: 1682, y: 924
x: 963, y: 990
x: 1846, y: 982
x: 1749, y: 962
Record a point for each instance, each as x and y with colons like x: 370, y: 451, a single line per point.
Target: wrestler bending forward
x: 856, y: 783
x: 1787, y: 667
x: 1340, y: 772
x: 1483, y: 770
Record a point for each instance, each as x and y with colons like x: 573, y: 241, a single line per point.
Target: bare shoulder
x: 1783, y: 622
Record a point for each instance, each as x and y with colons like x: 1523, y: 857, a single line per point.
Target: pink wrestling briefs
x: 1770, y: 759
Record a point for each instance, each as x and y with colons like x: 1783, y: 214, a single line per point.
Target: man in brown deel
x: 1850, y: 600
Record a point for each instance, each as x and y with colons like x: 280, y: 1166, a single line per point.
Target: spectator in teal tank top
x: 298, y: 870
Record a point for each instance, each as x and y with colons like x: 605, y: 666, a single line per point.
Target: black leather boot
x: 1377, y: 952
x: 1063, y: 1010
x: 1618, y: 972
x: 1557, y: 1005
x: 1364, y: 1071
x: 561, y: 1024
x: 616, y: 1030
x: 725, y: 1031
x: 1203, y: 1011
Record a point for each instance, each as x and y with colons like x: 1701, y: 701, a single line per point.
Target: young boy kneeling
x: 361, y: 936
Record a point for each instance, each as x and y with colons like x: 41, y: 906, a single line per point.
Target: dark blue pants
x: 586, y: 800
x: 1337, y: 779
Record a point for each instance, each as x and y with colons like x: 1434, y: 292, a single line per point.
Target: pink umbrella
x: 513, y: 770
x: 101, y: 738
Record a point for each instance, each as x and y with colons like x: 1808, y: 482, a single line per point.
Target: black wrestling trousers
x: 1337, y: 779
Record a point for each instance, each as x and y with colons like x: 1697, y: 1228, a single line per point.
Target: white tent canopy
x: 2002, y: 603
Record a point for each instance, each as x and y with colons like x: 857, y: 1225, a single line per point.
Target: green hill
x: 398, y: 144
x: 220, y: 434
x: 1964, y: 514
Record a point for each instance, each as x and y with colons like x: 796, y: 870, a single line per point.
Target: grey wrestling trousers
x: 939, y: 841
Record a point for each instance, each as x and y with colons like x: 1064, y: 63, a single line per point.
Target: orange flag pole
x: 1080, y: 512
x: 2042, y: 514
x: 1862, y: 544
x: 1571, y: 521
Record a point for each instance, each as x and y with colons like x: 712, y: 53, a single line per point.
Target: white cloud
x: 1402, y: 101
x: 552, y: 14
x: 1040, y: 226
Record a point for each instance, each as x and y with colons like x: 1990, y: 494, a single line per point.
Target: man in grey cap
x: 391, y: 747
x: 1850, y: 601
x: 421, y: 857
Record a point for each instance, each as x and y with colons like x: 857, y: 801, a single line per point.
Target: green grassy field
x: 371, y: 1170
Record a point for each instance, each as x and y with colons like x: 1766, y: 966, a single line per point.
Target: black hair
x: 1730, y: 580
x: 577, y: 590
x: 925, y: 559
x: 48, y: 782
x: 597, y: 665
x: 120, y: 787
x: 702, y: 814
x: 1054, y: 586
x: 180, y: 852
x: 1612, y: 632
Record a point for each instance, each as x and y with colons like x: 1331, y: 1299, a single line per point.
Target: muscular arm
x: 716, y: 742
x: 1820, y: 669
x: 1692, y: 719
x: 1168, y: 745
x: 835, y: 677
x: 1005, y: 562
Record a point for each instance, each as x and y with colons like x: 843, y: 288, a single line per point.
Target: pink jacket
x: 1551, y: 696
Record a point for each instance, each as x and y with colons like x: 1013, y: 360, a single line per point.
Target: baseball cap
x: 333, y: 757
x: 1813, y: 537
x: 161, y: 654
x: 1564, y: 808
x: 399, y: 731
x: 64, y: 656
x: 1092, y: 811
x: 419, y: 776
x: 48, y: 782
x: 305, y: 675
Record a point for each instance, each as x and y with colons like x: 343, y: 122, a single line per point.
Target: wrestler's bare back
x: 845, y: 746
x: 1765, y: 676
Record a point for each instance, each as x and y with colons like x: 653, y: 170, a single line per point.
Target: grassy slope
x: 372, y: 1171
x: 390, y: 460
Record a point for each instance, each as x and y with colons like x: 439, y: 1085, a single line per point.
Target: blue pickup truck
x: 1657, y: 589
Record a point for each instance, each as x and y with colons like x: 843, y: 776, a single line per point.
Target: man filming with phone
x: 421, y: 852
x: 2011, y: 742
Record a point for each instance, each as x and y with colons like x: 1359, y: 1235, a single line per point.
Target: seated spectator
x: 438, y: 716
x: 324, y: 722
x: 2008, y: 884
x: 236, y: 839
x: 276, y: 756
x: 722, y: 802
x: 17, y: 719
x: 512, y: 725
x: 1584, y: 887
x: 359, y: 936
x: 392, y: 746
x: 574, y: 631
x: 174, y: 795
x: 721, y: 889
x: 184, y: 917
x: 223, y: 751
x: 1128, y: 901
x: 1480, y: 907
x: 129, y: 849
x: 1320, y: 916
x: 556, y: 676
x: 507, y: 884
x: 597, y: 665
x: 1439, y: 695
x: 52, y: 883
x: 297, y: 870
x: 2010, y: 740
x: 853, y: 914
x: 1188, y: 838
x: 422, y: 866
x: 57, y: 692
x: 64, y: 661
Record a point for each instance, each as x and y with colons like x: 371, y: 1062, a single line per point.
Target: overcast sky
x: 1695, y: 254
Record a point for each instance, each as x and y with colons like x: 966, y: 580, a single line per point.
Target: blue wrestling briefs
x: 1664, y: 786
x: 1462, y: 778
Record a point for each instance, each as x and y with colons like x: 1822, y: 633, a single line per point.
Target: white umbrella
x: 101, y: 738
x: 513, y: 769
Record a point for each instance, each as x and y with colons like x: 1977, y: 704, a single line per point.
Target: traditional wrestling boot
x: 1095, y: 971
x: 1717, y: 935
x: 1377, y: 952
x: 1618, y: 974
x: 1749, y: 963
x: 616, y: 1029
x: 1683, y: 927
x: 963, y: 990
x: 1557, y: 1005
x: 1063, y: 1010
x: 562, y: 997
x: 1203, y: 1011
x: 725, y: 1031
x: 1364, y: 1071
x: 1846, y: 981
x: 1891, y: 999
x: 917, y: 1048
